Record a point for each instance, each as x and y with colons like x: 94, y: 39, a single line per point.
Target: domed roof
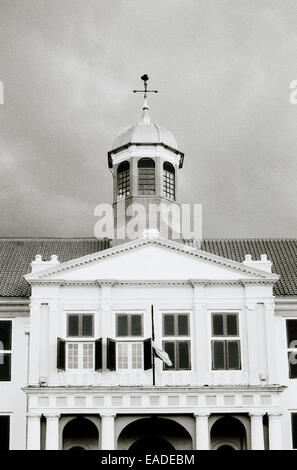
x: 145, y: 132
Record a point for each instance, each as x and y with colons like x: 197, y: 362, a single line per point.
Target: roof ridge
x: 188, y: 239
x: 247, y: 239
x: 53, y: 238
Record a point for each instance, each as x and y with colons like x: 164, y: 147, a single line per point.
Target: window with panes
x: 5, y: 350
x: 176, y: 342
x: 129, y: 331
x: 225, y: 341
x: 123, y: 180
x: 80, y: 343
x: 292, y: 347
x: 169, y: 180
x: 146, y: 176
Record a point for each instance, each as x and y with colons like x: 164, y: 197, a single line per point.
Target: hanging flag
x: 161, y: 354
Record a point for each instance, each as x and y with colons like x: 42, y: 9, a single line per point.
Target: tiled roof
x: 16, y: 255
x: 282, y: 252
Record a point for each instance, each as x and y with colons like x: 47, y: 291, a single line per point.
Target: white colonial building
x: 77, y: 368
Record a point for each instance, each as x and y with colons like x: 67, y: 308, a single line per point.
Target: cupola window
x: 169, y: 180
x: 123, y: 180
x: 146, y: 176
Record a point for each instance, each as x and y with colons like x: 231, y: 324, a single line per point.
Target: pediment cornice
x: 140, y: 243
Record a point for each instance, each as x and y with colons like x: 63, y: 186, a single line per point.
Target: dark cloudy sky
x: 223, y: 69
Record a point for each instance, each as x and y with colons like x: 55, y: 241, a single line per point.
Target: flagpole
x: 153, y: 338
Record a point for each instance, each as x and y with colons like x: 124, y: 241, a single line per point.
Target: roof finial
x: 145, y: 117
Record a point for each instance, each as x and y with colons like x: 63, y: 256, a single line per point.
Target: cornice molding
x: 151, y: 282
x: 90, y: 389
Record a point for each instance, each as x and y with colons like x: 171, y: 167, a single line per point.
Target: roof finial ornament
x: 145, y: 117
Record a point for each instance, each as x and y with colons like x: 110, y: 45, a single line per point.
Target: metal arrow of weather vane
x: 145, y: 91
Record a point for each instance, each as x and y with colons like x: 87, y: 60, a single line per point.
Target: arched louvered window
x: 123, y: 179
x: 146, y: 176
x: 169, y: 180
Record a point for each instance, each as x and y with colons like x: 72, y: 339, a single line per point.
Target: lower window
x: 294, y: 430
x: 129, y: 355
x: 4, y: 432
x: 5, y: 350
x: 179, y: 354
x: 80, y: 356
x: 226, y: 355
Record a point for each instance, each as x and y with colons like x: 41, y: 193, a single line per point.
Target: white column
x: 107, y: 432
x: 52, y: 432
x: 33, y: 431
x: 257, y: 431
x: 202, y: 431
x: 275, y: 431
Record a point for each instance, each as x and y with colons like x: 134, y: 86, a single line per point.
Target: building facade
x: 79, y: 320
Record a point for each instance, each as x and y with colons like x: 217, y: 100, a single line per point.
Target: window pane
x: 183, y: 327
x: 87, y: 325
x: 146, y: 181
x: 122, y: 355
x: 233, y: 355
x: 5, y: 335
x: 294, y: 430
x: 88, y: 362
x: 123, y: 180
x: 169, y: 348
x: 217, y: 324
x: 136, y: 325
x: 122, y: 329
x: 218, y: 355
x: 168, y: 325
x: 292, y: 356
x: 4, y: 432
x: 137, y: 356
x: 5, y: 366
x: 232, y: 329
x: 72, y: 356
x: 169, y: 184
x: 73, y: 321
x: 292, y: 332
x: 183, y: 355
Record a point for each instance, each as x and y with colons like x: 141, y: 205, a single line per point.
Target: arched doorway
x: 227, y: 434
x: 152, y: 444
x: 225, y: 447
x: 154, y: 434
x: 80, y: 434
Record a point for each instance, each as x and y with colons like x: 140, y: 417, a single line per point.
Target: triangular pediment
x: 150, y: 260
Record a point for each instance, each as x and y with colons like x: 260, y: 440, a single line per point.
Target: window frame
x: 8, y: 415
x: 80, y: 357
x: 224, y: 338
x: 146, y: 180
x: 176, y: 343
x: 290, y: 350
x: 8, y: 352
x: 294, y: 438
x: 175, y: 314
x: 80, y: 315
x: 123, y: 188
x: 129, y: 344
x: 176, y: 338
x: 169, y: 180
x: 129, y: 314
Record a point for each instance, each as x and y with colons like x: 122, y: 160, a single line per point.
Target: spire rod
x: 145, y: 118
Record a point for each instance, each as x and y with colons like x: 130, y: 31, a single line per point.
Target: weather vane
x: 145, y: 91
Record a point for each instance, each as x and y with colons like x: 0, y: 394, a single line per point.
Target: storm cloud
x: 222, y: 68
